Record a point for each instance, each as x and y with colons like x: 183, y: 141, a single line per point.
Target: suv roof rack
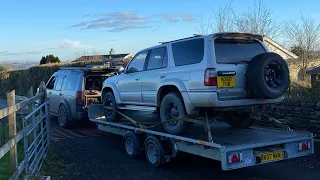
x: 194, y: 35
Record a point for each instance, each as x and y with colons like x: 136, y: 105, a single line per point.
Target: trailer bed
x: 249, y: 143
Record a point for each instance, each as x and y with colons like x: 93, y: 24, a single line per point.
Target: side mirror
x: 121, y: 69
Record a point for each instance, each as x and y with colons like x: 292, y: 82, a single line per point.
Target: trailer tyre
x: 132, y: 144
x: 109, y: 101
x: 154, y: 151
x: 171, y: 107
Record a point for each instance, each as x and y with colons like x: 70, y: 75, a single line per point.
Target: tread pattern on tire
x: 255, y: 76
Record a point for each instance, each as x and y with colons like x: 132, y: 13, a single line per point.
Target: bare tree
x: 204, y: 26
x: 256, y: 19
x: 304, y: 39
x: 224, y: 19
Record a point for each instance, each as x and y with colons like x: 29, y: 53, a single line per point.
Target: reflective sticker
x: 248, y: 160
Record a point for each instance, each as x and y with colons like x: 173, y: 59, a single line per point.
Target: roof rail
x: 194, y: 35
x: 88, y: 67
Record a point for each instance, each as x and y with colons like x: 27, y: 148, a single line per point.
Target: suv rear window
x: 236, y: 51
x: 188, y: 52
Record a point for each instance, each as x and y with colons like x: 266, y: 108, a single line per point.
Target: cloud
x: 73, y: 44
x: 3, y: 52
x: 178, y: 17
x: 80, y: 24
x: 123, y: 21
x: 6, y: 53
x: 33, y: 52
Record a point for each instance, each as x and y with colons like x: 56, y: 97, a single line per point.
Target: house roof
x: 279, y: 47
x: 314, y: 70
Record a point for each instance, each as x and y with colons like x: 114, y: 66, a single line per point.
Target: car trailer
x: 235, y: 148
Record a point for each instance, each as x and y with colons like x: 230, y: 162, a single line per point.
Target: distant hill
x: 17, y: 65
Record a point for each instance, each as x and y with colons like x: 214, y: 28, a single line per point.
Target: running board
x: 137, y: 108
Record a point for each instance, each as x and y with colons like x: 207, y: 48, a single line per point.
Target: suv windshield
x: 236, y: 51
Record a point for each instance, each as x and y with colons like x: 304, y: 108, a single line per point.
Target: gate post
x: 12, y: 129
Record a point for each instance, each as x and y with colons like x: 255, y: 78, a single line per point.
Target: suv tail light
x: 79, y: 98
x: 210, y: 77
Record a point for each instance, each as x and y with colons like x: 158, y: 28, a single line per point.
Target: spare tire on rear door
x: 267, y: 76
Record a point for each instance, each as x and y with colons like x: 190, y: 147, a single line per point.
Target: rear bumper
x: 210, y: 99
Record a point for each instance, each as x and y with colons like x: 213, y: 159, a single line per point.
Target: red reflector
x: 234, y: 158
x: 304, y: 146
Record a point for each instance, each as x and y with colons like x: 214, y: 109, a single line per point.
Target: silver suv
x: 227, y: 73
x: 71, y: 89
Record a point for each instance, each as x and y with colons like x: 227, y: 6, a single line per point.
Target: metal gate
x: 35, y: 132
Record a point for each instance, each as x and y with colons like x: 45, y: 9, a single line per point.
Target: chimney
x: 111, y: 52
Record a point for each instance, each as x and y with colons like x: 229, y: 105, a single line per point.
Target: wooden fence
x: 35, y: 132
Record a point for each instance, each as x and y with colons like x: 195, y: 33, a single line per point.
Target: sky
x: 72, y: 28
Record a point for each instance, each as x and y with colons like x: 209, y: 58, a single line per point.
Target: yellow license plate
x: 271, y: 156
x: 226, y: 81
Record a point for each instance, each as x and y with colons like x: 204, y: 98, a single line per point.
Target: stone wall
x: 297, y: 115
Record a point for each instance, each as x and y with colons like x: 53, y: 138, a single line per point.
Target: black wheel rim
x: 62, y: 116
x: 272, y: 75
x: 172, y: 112
x: 108, y: 103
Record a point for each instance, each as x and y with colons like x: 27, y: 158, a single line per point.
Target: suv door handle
x: 137, y: 79
x: 162, y: 77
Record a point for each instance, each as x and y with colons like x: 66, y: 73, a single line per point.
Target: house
x: 291, y: 59
x: 315, y: 75
x: 279, y: 49
x: 104, y: 58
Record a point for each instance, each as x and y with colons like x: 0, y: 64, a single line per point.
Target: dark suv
x: 71, y: 89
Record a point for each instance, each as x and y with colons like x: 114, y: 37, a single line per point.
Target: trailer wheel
x: 154, y: 151
x: 132, y: 144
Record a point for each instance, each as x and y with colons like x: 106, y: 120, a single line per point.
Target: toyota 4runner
x: 225, y: 73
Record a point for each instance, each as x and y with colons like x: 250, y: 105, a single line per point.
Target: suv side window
x: 51, y: 83
x: 188, y: 52
x: 59, y: 82
x: 137, y: 63
x: 157, y: 58
x: 71, y: 81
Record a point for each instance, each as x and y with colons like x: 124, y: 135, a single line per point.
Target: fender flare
x: 114, y: 89
x: 170, y: 82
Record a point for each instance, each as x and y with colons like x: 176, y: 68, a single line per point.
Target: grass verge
x: 54, y: 166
